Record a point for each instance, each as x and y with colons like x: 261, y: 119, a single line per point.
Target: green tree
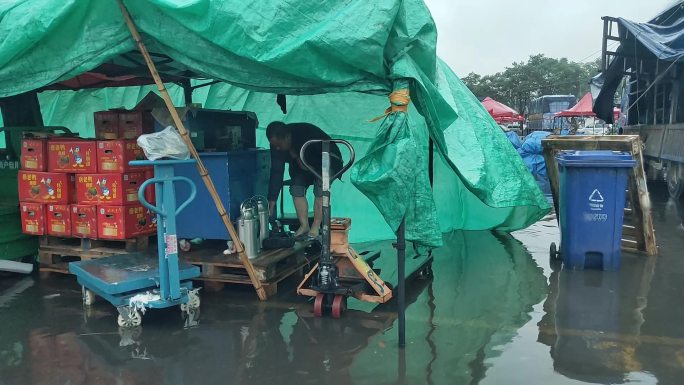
x: 539, y: 75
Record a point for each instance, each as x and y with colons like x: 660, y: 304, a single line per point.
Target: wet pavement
x: 494, y: 312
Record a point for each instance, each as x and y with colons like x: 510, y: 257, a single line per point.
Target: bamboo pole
x: 200, y: 165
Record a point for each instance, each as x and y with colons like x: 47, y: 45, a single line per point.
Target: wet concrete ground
x: 494, y: 312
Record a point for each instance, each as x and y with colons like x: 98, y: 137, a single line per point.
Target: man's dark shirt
x: 301, y: 133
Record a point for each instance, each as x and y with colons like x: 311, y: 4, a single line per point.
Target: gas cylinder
x: 248, y: 229
x: 262, y: 211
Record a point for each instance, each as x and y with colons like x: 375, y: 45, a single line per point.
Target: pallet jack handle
x: 352, y: 155
x: 158, y: 180
x: 144, y: 202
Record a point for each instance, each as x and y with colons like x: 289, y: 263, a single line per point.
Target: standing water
x: 495, y: 311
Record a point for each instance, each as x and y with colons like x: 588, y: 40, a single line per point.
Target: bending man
x: 286, y: 142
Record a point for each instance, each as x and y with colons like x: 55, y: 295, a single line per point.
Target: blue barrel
x: 591, y: 209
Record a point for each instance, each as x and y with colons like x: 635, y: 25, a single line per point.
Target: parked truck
x: 643, y: 74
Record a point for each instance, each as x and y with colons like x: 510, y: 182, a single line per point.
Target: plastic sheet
x: 532, y: 154
x: 164, y: 144
x: 514, y: 139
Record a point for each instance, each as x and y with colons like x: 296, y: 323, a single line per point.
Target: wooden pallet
x: 271, y: 267
x: 54, y: 253
x: 637, y: 232
x: 139, y: 243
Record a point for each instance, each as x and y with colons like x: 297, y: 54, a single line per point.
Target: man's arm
x: 275, y: 183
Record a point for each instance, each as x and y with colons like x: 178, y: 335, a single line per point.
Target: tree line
x: 540, y: 75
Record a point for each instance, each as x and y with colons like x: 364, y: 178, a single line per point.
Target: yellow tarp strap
x: 399, y: 101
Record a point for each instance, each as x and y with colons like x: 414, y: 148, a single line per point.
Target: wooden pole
x: 200, y: 166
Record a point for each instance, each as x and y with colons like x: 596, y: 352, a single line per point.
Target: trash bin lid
x: 597, y: 158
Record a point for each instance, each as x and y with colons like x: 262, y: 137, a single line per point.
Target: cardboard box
x: 124, y: 222
x: 107, y: 124
x: 339, y: 235
x: 113, y: 155
x: 108, y: 189
x: 150, y: 190
x: 46, y: 187
x: 75, y: 156
x: 132, y: 124
x: 84, y: 221
x: 58, y: 220
x: 32, y: 218
x: 34, y: 154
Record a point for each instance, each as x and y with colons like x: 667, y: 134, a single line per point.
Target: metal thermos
x: 262, y: 210
x: 248, y: 229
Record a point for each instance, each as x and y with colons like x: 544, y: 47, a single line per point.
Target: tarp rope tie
x: 399, y: 101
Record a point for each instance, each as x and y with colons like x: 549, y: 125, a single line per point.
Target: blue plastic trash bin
x: 591, y: 209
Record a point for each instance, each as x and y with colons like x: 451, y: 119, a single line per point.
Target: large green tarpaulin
x: 341, y: 57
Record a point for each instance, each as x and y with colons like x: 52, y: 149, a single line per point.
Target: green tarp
x: 341, y: 57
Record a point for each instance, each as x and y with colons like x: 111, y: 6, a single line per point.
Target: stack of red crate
x: 70, y: 187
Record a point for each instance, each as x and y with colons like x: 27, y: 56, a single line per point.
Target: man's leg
x: 318, y: 209
x: 298, y: 191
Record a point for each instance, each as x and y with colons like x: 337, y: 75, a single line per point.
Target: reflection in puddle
x: 482, y: 291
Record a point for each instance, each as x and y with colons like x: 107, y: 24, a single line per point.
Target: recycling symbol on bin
x: 596, y: 200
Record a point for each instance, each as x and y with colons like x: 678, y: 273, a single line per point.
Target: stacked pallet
x: 78, y: 193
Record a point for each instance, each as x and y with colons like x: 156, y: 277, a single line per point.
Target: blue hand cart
x: 135, y: 282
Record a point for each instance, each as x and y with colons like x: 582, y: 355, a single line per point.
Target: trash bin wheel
x: 553, y: 251
x: 675, y: 180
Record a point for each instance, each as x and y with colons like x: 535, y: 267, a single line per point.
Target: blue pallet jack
x: 135, y: 282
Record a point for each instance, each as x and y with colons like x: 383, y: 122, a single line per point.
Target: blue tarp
x: 531, y: 153
x: 514, y: 138
x: 662, y: 38
x: 666, y: 42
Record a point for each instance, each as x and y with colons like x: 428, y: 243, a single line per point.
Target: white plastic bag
x: 164, y: 144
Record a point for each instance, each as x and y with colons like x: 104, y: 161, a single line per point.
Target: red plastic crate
x: 110, y: 189
x: 78, y: 156
x: 32, y: 218
x: 84, y: 221
x: 58, y: 220
x: 113, y: 155
x: 46, y: 187
x: 124, y: 222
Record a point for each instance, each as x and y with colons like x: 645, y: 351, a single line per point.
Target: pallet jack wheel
x: 339, y: 305
x: 185, y: 245
x: 88, y: 296
x: 318, y: 304
x: 133, y: 319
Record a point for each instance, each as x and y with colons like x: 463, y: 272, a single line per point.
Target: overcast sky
x: 486, y: 36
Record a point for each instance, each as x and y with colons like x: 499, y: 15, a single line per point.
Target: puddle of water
x: 495, y: 312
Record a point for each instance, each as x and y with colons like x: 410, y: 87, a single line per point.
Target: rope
x: 399, y: 101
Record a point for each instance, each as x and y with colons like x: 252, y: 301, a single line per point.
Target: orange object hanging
x: 399, y: 101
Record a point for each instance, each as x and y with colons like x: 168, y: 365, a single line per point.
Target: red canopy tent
x: 501, y: 112
x: 583, y: 108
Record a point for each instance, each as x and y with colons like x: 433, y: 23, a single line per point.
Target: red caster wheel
x: 339, y: 305
x: 318, y: 305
